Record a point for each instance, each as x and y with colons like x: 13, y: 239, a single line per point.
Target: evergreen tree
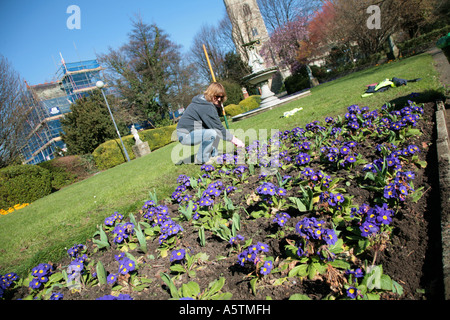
x: 144, y: 69
x: 89, y: 125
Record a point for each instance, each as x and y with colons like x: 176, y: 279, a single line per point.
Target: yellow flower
x: 14, y: 208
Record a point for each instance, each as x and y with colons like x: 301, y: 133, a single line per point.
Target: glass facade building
x: 49, y: 102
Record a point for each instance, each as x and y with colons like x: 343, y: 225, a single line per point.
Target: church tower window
x: 247, y: 11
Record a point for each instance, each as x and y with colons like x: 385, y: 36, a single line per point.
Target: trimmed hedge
x: 422, y: 42
x: 23, y: 184
x: 245, y: 105
x: 110, y: 154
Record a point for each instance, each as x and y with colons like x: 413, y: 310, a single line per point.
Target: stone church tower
x: 248, y: 26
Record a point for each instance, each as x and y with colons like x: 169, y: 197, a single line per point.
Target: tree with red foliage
x: 285, y: 42
x: 319, y: 29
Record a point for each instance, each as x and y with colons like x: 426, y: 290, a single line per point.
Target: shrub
x: 297, y: 82
x: 245, y: 105
x: 232, y: 110
x: 251, y: 102
x: 60, y: 176
x: 23, y: 184
x: 88, y: 124
x: 110, y: 154
x: 234, y: 92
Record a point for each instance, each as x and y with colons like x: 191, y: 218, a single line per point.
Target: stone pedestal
x: 141, y: 149
x: 314, y: 82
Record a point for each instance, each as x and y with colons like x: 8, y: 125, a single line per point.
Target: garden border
x: 443, y: 153
x: 442, y: 66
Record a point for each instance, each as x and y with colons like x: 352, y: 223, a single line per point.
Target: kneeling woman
x: 200, y: 124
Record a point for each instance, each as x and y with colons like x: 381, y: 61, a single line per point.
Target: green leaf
x: 334, y: 182
x: 140, y: 287
x: 153, y: 196
x: 187, y: 211
x: 56, y: 277
x: 141, y: 238
x: 101, y: 273
x: 372, y: 296
x: 224, y: 232
x: 280, y: 281
x: 168, y: 281
x: 362, y: 245
x: 253, y: 285
x: 337, y: 247
x: 193, y: 182
x: 298, y: 203
x: 103, y: 242
x: 192, y: 274
x: 321, y: 268
x: 413, y: 132
x: 237, y: 221
x: 416, y: 195
x: 397, y: 288
x: 257, y: 214
x: 222, y: 296
x: 191, y: 289
x: 300, y: 271
x: 385, y: 282
x: 216, y: 286
x: 177, y: 268
x: 341, y: 264
x: 201, y: 236
x: 132, y: 219
x: 312, y: 271
x: 131, y: 246
x: 421, y: 163
x: 229, y: 206
x: 298, y: 296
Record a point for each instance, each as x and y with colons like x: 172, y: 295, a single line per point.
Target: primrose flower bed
x: 340, y: 209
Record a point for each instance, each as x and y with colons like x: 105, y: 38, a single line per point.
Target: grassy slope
x: 332, y: 98
x: 41, y: 231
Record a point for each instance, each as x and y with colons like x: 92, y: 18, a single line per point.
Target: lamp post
x: 100, y: 85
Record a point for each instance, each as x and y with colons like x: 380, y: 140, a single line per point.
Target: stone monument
x: 260, y: 76
x: 141, y: 148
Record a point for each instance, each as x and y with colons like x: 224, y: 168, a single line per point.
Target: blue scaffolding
x: 49, y: 102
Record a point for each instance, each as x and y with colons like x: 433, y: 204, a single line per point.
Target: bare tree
x: 15, y: 104
x: 186, y: 84
x: 409, y: 15
x: 210, y: 37
x: 225, y: 34
x: 343, y: 23
x: 278, y: 13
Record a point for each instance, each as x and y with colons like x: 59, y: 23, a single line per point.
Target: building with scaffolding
x: 49, y: 103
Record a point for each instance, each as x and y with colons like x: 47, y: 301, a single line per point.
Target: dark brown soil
x: 412, y: 257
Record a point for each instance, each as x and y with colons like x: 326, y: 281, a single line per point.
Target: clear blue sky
x: 34, y: 32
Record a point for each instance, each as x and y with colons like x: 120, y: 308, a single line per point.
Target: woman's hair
x: 215, y: 89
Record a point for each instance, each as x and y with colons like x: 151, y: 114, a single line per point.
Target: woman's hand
x: 238, y: 143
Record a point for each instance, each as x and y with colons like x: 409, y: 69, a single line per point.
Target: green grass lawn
x: 42, y: 231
